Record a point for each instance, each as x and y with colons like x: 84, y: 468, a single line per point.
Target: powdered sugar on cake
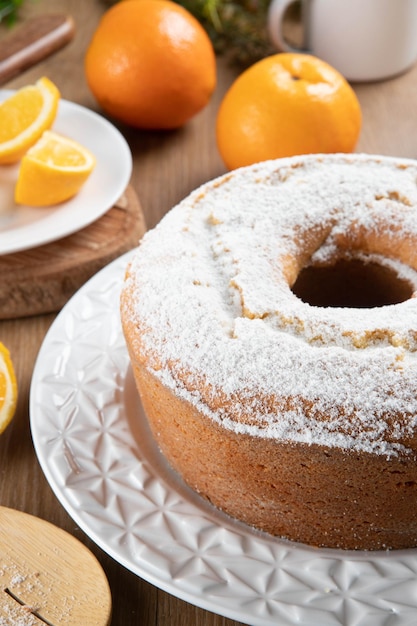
x: 218, y: 323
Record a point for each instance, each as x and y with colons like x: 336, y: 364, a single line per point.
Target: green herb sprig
x: 9, y: 10
x: 237, y: 29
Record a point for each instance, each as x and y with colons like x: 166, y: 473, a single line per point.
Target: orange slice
x: 53, y: 171
x: 24, y: 116
x: 8, y: 388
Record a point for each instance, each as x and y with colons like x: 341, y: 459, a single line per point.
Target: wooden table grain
x: 166, y: 167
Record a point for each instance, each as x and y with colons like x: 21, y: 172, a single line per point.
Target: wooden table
x: 167, y: 166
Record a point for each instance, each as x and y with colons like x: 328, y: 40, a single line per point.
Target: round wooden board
x: 47, y: 576
x: 41, y: 280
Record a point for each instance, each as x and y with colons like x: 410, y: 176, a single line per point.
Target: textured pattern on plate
x: 94, y: 446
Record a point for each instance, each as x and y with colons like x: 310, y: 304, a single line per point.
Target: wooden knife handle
x: 32, y: 42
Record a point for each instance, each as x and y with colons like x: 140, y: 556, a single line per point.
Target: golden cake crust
x: 316, y: 495
x: 297, y: 419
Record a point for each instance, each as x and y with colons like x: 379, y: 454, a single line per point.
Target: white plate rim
x: 233, y: 571
x: 87, y: 206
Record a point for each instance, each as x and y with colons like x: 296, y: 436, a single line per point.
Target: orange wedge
x: 53, y: 171
x: 8, y: 389
x: 24, y: 116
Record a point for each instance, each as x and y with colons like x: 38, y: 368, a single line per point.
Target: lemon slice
x: 53, y: 170
x: 8, y: 388
x: 24, y: 116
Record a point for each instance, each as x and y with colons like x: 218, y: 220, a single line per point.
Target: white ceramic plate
x: 93, y: 443
x: 23, y: 227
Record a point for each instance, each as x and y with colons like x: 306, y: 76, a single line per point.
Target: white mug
x: 364, y: 40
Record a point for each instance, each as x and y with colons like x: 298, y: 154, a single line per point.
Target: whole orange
x: 287, y: 104
x: 150, y: 64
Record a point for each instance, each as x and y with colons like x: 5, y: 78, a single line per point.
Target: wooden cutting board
x: 32, y: 42
x: 47, y: 576
x: 41, y: 280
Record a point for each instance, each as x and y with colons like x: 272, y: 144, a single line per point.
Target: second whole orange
x: 150, y: 64
x: 284, y: 105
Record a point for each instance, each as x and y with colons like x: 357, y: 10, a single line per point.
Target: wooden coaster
x: 48, y: 577
x: 41, y: 280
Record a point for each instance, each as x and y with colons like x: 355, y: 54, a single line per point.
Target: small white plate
x: 23, y: 227
x: 94, y: 445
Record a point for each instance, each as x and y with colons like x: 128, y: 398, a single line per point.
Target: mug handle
x: 275, y: 19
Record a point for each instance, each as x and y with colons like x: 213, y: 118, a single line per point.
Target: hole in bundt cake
x: 351, y: 282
